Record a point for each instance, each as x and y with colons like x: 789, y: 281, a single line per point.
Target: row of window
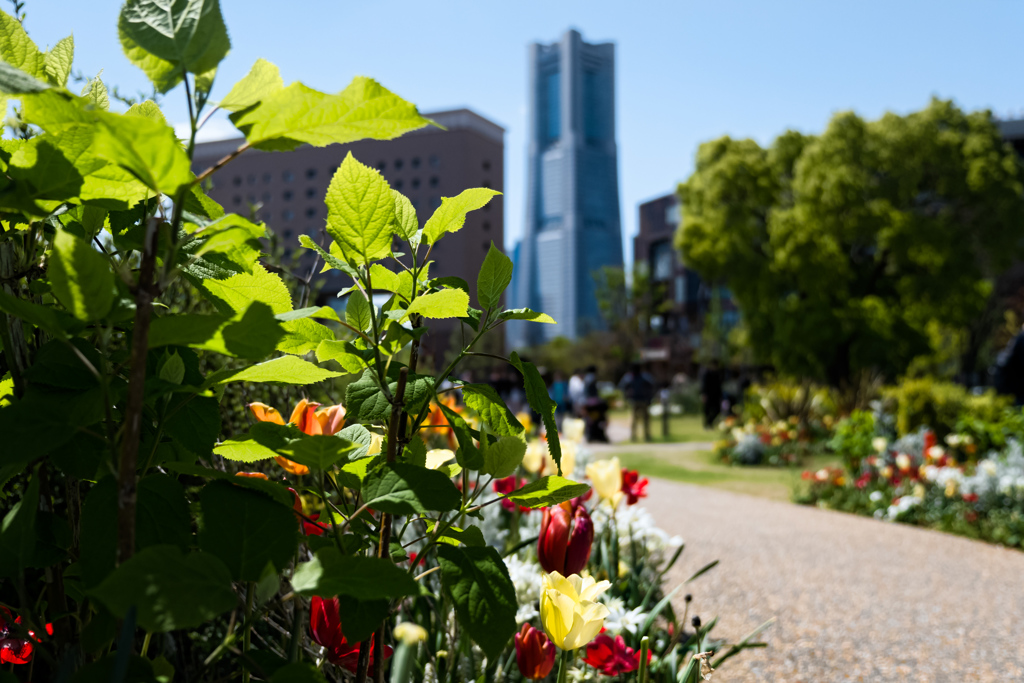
x: 268, y: 177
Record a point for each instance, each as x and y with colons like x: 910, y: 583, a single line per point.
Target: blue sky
x: 687, y: 72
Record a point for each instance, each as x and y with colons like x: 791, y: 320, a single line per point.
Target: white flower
x: 620, y: 619
x: 876, y: 496
x: 879, y: 443
x: 526, y: 577
x: 936, y: 452
x: 526, y: 612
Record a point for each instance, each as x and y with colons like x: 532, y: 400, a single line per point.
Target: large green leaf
x: 407, y: 489
x: 283, y: 370
x: 194, y: 422
x: 161, y: 513
x: 503, y: 457
x: 145, y: 147
x: 166, y: 38
x: 546, y: 491
x: 319, y: 452
x: 169, y: 589
x: 526, y: 314
x: 478, y: 583
x: 447, y: 303
x: 18, y: 532
x: 14, y: 81
x: 359, y: 212
x: 407, y: 225
x: 340, y: 351
x: 246, y: 529
x: 263, y: 80
x: 366, y: 402
x: 357, y: 311
x: 330, y: 573
x: 54, y: 322
x: 253, y: 334
x: 468, y: 455
x: 451, y: 215
x: 81, y: 277
x: 58, y: 61
x: 291, y: 116
x: 484, y: 399
x: 18, y: 50
x: 540, y: 400
x: 495, y: 275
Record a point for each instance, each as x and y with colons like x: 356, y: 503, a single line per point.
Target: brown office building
x: 286, y: 189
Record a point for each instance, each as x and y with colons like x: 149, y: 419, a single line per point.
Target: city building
x: 286, y: 190
x: 572, y: 226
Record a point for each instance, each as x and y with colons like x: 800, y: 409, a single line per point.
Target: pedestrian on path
x: 638, y: 388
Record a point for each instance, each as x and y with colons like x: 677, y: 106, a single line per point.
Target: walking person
x: 638, y: 387
x: 711, y: 392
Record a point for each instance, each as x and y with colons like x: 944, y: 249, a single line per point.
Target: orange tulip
x: 308, y: 419
x: 437, y: 420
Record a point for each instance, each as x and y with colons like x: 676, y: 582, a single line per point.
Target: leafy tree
x: 841, y: 248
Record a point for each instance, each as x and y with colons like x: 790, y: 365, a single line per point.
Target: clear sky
x: 687, y: 71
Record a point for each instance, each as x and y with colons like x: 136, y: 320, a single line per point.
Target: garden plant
x: 370, y: 539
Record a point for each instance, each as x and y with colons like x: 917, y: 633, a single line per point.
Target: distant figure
x: 711, y: 392
x: 595, y: 408
x: 1009, y: 369
x: 576, y: 392
x: 560, y: 395
x: 638, y: 387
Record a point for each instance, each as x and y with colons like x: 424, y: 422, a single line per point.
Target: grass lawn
x: 682, y: 428
x: 701, y: 468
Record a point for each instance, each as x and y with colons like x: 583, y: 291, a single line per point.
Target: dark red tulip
x: 565, y: 539
x: 612, y: 656
x: 15, y: 650
x: 634, y: 487
x: 325, y: 627
x: 535, y: 653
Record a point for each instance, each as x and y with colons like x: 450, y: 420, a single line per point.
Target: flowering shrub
x: 780, y: 443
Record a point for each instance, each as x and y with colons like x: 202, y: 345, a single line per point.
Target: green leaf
x: 283, y: 370
x: 359, y: 212
x: 382, y: 278
x: 526, y: 314
x: 294, y: 115
x: 148, y: 109
x: 502, y: 457
x: 50, y: 320
x: 319, y: 452
x: 330, y: 573
x: 161, y: 513
x: 246, y: 529
x: 451, y: 215
x: 81, y: 277
x: 357, y: 311
x: 297, y: 672
x: 17, y: 49
x: 194, y: 422
x: 407, y: 225
x: 263, y: 80
x: 362, y: 617
x: 254, y: 334
x: 18, y: 532
x: 406, y: 489
x: 96, y: 93
x: 14, y: 81
x: 550, y: 490
x: 366, y: 402
x: 57, y: 61
x: 145, y: 147
x: 492, y: 409
x: 235, y: 293
x: 470, y: 536
x: 361, y: 436
x: 262, y: 442
x: 272, y: 489
x: 165, y: 39
x: 171, y: 590
x: 468, y: 455
x: 539, y: 399
x: 495, y: 275
x: 338, y: 350
x: 448, y: 303
x: 330, y: 260
x: 478, y: 583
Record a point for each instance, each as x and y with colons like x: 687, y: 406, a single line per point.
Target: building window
x: 673, y: 215
x: 487, y: 166
x: 266, y: 197
x: 398, y: 164
x: 287, y: 214
x: 487, y: 206
x: 397, y: 185
x: 287, y: 195
x: 310, y: 192
x: 486, y: 226
x: 237, y: 199
x: 433, y: 181
x: 486, y: 183
x: 287, y: 176
x: 381, y: 166
x: 435, y: 202
x: 267, y: 177
x: 680, y: 289
x: 415, y: 203
x: 252, y: 199
x: 435, y: 161
x: 251, y: 178
x: 661, y: 260
x: 486, y: 245
x: 593, y: 123
x: 415, y: 183
x: 415, y: 163
x: 552, y: 106
x: 311, y: 212
x: 287, y: 234
x: 237, y: 180
x: 310, y: 173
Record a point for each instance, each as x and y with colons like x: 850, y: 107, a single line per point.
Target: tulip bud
x: 535, y: 653
x: 565, y: 539
x: 695, y: 621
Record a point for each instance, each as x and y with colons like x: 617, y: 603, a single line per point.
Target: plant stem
x: 250, y: 594
x: 563, y: 666
x: 145, y: 644
x: 126, y: 494
x: 223, y: 162
x: 645, y: 644
x: 293, y: 655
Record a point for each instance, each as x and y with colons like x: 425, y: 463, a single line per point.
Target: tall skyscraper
x: 572, y: 224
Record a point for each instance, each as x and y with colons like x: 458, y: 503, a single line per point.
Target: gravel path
x: 854, y: 599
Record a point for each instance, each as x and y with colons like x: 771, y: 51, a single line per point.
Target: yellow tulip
x: 606, y: 478
x: 569, y: 609
x: 534, y: 458
x: 525, y: 420
x: 573, y: 429
x: 568, y: 459
x: 376, y: 441
x: 438, y: 457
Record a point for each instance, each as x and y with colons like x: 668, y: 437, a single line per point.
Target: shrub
x: 941, y: 405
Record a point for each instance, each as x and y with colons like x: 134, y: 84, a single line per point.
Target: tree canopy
x: 841, y: 248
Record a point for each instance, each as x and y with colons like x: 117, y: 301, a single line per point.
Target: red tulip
x: 565, y: 539
x: 612, y: 657
x: 535, y: 653
x: 508, y: 485
x: 325, y: 627
x: 634, y: 490
x: 14, y: 650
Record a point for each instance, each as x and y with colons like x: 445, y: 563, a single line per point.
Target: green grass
x: 682, y: 428
x: 701, y: 468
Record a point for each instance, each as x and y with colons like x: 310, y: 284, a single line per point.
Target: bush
x: 854, y: 439
x: 941, y: 405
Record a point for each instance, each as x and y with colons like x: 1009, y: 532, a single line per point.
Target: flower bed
x: 780, y: 443
x: 918, y: 480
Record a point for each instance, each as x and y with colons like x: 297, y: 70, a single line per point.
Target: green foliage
x: 477, y: 582
x: 841, y: 248
x: 926, y: 402
x: 853, y: 439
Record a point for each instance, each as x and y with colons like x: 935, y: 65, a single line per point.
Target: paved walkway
x: 854, y: 599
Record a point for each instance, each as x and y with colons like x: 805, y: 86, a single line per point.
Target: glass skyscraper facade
x: 572, y: 224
